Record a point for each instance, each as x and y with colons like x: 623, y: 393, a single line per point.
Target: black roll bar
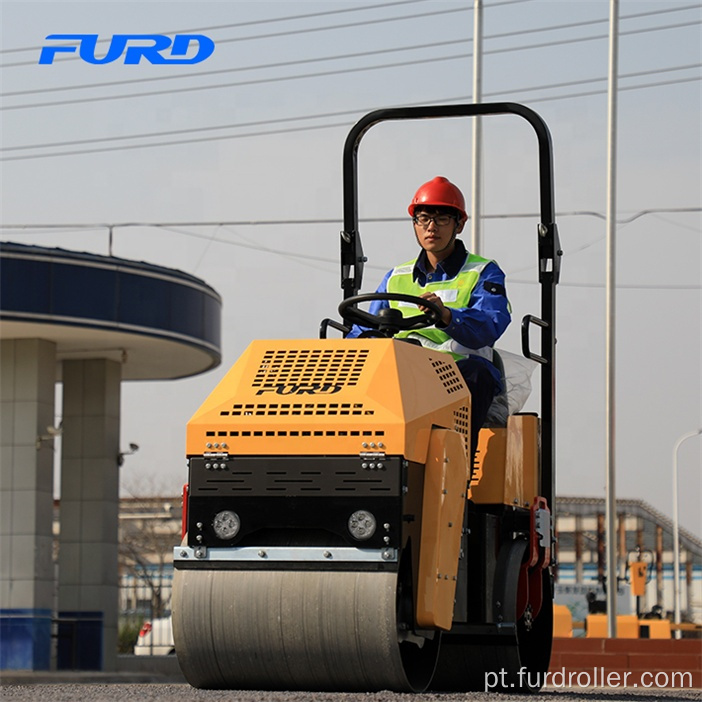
x: 549, y: 251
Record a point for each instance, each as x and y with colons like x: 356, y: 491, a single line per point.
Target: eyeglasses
x: 441, y: 220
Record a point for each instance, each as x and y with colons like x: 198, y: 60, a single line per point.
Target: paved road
x: 140, y: 692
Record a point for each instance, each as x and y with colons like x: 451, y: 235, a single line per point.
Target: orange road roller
x: 335, y: 533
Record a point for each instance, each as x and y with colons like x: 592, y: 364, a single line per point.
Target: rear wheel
x: 515, y: 656
x: 535, y: 638
x: 419, y: 654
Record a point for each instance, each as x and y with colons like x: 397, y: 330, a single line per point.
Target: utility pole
x: 611, y: 497
x: 475, y: 243
x: 676, y: 531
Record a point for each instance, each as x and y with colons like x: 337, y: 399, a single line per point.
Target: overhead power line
x: 305, y: 258
x: 251, y: 23
x: 344, y: 26
x: 620, y: 286
x: 326, y: 115
x: 237, y: 69
x: 345, y: 123
x: 336, y: 57
x: 313, y: 15
x: 336, y: 221
x: 306, y: 30
x: 177, y: 227
x: 319, y: 74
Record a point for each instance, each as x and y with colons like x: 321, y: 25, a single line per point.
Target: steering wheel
x: 389, y: 320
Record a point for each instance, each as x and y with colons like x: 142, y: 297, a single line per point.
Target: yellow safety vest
x: 454, y: 293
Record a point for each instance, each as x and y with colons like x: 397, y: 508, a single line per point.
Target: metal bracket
x: 286, y: 554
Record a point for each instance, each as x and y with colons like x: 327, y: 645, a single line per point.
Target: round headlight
x: 362, y: 525
x: 226, y: 524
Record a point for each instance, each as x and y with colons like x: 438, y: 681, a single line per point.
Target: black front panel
x: 296, y: 501
x: 319, y: 476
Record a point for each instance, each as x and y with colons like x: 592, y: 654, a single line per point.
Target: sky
x: 194, y: 154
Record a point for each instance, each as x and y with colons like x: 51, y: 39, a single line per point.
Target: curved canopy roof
x: 158, y: 322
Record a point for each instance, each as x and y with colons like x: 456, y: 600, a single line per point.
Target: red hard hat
x: 439, y: 192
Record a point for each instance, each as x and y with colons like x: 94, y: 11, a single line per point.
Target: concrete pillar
x: 88, y: 577
x: 27, y: 385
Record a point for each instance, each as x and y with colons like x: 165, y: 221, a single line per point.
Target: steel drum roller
x: 289, y: 630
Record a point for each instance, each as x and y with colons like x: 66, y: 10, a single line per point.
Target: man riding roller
x: 469, y: 290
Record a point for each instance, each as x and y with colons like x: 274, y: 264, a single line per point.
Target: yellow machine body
x: 446, y: 476
x: 297, y: 436
x: 507, y: 463
x: 331, y: 397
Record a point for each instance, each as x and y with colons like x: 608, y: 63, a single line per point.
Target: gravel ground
x: 117, y: 692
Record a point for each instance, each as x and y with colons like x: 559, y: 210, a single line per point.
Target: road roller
x: 337, y: 534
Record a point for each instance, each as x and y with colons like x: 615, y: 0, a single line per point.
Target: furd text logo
x: 301, y: 389
x: 153, y: 48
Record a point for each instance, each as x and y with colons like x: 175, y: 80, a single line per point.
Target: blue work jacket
x: 479, y: 324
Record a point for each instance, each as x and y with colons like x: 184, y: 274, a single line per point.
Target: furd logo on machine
x: 153, y: 48
x: 301, y: 389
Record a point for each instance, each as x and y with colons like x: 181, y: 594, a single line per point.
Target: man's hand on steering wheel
x: 445, y: 311
x: 390, y: 320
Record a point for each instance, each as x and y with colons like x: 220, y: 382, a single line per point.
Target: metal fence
x: 144, y: 611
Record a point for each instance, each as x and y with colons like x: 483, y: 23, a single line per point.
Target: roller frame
x: 322, y: 613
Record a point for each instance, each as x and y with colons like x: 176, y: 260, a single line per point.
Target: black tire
x: 511, y: 663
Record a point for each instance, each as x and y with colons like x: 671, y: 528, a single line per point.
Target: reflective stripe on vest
x: 454, y: 293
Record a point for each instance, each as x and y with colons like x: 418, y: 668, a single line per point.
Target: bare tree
x: 149, y: 529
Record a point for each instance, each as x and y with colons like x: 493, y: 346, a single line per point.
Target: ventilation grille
x: 311, y: 476
x: 461, y: 424
x: 301, y: 409
x: 448, y: 375
x: 337, y: 367
x: 295, y: 434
